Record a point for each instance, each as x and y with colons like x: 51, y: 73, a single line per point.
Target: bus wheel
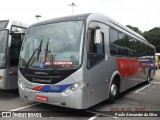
x: 113, y: 92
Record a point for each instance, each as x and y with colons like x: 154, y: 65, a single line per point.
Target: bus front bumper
x: 75, y: 100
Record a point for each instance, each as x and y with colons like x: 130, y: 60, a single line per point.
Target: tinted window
x: 130, y: 46
x: 120, y: 45
x: 3, y: 44
x: 3, y: 24
x: 15, y: 49
x: 113, y: 42
x: 96, y: 51
x: 142, y: 50
x: 150, y: 52
x: 96, y: 48
x: 116, y: 43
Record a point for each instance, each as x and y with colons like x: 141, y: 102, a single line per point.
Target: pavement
x: 142, y: 100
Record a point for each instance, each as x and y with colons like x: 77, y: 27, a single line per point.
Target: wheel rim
x: 113, y: 90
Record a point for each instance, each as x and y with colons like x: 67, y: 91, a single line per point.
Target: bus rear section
x: 11, y: 35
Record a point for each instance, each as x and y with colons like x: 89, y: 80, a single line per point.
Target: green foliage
x: 136, y: 29
x: 153, y: 36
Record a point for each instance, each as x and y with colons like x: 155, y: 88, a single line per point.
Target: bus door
x: 96, y: 63
x: 14, y: 51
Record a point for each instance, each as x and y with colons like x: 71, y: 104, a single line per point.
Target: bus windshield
x: 53, y: 46
x: 3, y: 44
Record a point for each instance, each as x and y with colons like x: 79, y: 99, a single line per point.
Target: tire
x: 114, y: 92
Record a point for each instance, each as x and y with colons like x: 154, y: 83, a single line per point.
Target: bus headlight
x: 73, y: 88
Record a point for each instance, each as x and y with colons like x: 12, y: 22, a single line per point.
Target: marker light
x: 73, y: 88
x: 1, y: 77
x: 92, y: 91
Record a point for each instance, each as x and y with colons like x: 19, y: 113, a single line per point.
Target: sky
x: 144, y: 14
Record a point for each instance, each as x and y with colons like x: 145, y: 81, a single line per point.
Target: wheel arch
x: 115, y: 76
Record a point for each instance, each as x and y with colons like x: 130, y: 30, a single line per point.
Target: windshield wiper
x: 48, y: 54
x: 33, y: 54
x: 46, y: 50
x: 39, y: 50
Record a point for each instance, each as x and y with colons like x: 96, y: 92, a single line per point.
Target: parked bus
x: 11, y: 34
x: 81, y: 60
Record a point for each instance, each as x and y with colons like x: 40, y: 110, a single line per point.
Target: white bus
x: 11, y: 34
x: 79, y: 61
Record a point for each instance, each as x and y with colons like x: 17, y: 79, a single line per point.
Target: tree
x: 136, y: 29
x: 153, y: 37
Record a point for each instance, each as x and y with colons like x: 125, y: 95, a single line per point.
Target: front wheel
x: 113, y: 92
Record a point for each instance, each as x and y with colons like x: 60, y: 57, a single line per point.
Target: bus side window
x: 96, y: 51
x: 15, y: 49
x: 120, y: 44
x: 113, y: 34
x: 116, y: 42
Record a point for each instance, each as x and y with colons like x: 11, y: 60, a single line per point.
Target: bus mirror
x: 97, y: 36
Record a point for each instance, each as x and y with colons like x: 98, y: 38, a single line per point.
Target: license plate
x: 42, y: 98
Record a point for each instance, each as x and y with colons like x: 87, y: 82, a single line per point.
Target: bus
x: 81, y: 60
x: 11, y: 35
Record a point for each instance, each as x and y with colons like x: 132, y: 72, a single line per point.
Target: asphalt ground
x: 142, y: 100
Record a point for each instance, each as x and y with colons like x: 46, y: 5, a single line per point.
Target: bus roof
x: 65, y: 18
x: 18, y: 23
x: 8, y: 23
x: 91, y: 17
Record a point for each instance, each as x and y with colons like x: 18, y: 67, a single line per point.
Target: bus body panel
x: 100, y: 74
x: 55, y: 98
x: 98, y: 77
x: 99, y: 83
x: 12, y: 78
x: 76, y: 100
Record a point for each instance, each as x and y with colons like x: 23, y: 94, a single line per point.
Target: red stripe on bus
x: 37, y: 88
x: 127, y: 66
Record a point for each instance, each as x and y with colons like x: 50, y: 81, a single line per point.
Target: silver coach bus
x: 81, y: 60
x: 11, y: 34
